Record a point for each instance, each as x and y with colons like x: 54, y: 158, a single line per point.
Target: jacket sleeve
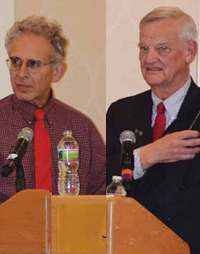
x: 112, y: 146
x: 97, y: 176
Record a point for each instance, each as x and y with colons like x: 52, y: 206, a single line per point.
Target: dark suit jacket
x: 171, y: 191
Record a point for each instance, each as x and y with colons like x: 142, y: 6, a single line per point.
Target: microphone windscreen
x: 26, y: 133
x: 127, y: 135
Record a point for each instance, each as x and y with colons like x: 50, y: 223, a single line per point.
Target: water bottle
x: 116, y: 188
x: 68, y: 162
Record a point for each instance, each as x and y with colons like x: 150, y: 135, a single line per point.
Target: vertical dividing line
x: 15, y: 10
x: 198, y: 52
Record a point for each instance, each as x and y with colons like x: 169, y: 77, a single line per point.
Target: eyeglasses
x: 33, y: 66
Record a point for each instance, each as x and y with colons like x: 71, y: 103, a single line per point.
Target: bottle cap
x: 119, y: 178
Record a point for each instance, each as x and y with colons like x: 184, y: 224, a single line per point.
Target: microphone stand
x: 20, y: 177
x: 127, y: 163
x: 20, y: 182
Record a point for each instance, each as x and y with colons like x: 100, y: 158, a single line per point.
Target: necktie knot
x: 39, y: 114
x: 161, y: 108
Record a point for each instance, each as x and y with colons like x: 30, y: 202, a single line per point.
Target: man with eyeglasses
x: 37, y: 50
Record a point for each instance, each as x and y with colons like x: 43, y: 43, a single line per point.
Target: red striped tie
x: 42, y: 148
x: 160, y: 122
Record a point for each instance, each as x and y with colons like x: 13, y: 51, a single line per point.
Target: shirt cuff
x: 138, y: 171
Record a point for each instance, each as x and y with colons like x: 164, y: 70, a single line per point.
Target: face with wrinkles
x: 164, y: 56
x: 33, y: 87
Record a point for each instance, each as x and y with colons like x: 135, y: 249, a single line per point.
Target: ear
x: 191, y: 51
x: 58, y: 71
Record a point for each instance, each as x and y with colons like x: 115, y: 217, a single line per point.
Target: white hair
x: 188, y: 27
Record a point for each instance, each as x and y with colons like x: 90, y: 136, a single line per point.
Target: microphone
x: 127, y: 139
x: 16, y: 155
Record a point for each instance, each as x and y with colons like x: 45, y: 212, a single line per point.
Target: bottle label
x: 68, y: 154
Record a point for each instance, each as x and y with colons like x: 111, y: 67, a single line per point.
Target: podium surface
x: 25, y: 223
x: 133, y: 229
x: 79, y: 224
x: 34, y: 222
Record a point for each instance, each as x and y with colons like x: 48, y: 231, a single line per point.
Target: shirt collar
x: 174, y: 102
x: 26, y: 109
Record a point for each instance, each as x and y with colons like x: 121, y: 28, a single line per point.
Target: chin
x: 23, y: 97
x: 154, y: 77
x: 154, y: 81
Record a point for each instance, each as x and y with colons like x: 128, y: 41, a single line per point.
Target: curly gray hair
x: 40, y: 26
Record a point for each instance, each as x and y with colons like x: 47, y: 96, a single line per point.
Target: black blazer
x: 171, y: 191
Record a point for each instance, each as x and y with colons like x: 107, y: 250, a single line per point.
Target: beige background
x: 6, y: 20
x: 84, y: 85
x: 123, y: 77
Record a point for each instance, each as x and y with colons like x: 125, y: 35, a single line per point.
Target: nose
x: 151, y: 56
x: 23, y: 71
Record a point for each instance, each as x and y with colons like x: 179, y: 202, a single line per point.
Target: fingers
x: 194, y: 142
x: 187, y: 134
x: 181, y: 139
x: 188, y: 138
x: 190, y: 150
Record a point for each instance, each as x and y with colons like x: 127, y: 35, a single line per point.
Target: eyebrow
x: 159, y: 44
x: 27, y: 59
x: 163, y: 43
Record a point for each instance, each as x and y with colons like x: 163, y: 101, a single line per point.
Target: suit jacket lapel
x: 188, y: 110
x: 143, y: 120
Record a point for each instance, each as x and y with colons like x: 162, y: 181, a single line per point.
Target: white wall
x: 84, y: 22
x: 123, y: 77
x: 6, y: 20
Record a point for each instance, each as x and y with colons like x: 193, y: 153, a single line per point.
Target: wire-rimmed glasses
x: 33, y: 65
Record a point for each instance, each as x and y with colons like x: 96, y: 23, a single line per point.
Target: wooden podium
x: 131, y: 229
x: 34, y: 222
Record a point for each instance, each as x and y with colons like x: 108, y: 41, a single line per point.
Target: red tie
x: 160, y: 122
x: 42, y: 148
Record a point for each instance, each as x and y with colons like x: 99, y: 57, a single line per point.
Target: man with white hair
x: 166, y: 175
